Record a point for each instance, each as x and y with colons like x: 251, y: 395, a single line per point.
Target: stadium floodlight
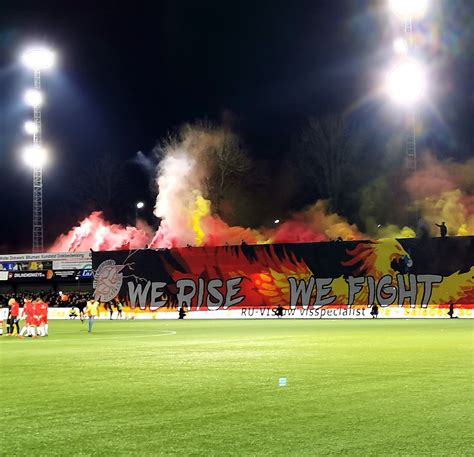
x: 406, y: 83
x: 35, y: 156
x: 400, y: 46
x: 408, y: 9
x: 34, y: 98
x: 31, y: 128
x: 38, y: 59
x: 140, y: 205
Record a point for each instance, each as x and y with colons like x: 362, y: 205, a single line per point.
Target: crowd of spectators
x: 53, y: 299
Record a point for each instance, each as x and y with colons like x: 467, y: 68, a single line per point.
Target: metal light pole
x: 37, y: 175
x: 37, y: 59
x: 410, y: 146
x: 408, y: 10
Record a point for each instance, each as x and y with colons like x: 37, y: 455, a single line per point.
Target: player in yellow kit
x: 92, y: 310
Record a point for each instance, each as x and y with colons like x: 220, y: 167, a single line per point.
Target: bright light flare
x: 34, y: 98
x: 35, y: 156
x: 400, y: 46
x: 409, y: 9
x: 140, y: 205
x: 38, y: 58
x: 406, y: 83
x: 276, y: 221
x: 31, y: 128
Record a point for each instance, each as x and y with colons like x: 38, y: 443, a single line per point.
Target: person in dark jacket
x: 374, y: 311
x: 443, y: 230
x: 279, y: 311
x: 451, y: 311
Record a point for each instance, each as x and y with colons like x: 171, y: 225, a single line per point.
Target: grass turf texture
x: 130, y: 388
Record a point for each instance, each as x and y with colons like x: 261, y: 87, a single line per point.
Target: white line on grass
x: 104, y: 338
x: 168, y: 333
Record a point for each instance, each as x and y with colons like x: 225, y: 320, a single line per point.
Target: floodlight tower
x: 408, y: 11
x: 36, y: 59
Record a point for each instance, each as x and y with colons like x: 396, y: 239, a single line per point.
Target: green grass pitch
x: 137, y: 388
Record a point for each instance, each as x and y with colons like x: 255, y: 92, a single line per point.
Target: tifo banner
x: 405, y: 278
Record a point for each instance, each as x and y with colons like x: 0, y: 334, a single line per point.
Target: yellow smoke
x: 393, y: 231
x: 202, y: 208
x: 448, y: 207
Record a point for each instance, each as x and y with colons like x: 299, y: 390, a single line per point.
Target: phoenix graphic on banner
x: 407, y: 273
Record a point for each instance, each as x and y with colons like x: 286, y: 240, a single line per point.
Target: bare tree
x: 228, y: 163
x: 327, y: 147
x: 224, y: 161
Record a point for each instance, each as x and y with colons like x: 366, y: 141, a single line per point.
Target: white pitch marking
x: 168, y: 333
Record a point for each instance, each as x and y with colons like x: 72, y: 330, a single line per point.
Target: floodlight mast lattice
x: 408, y: 10
x: 37, y: 59
x: 410, y: 145
x: 37, y: 175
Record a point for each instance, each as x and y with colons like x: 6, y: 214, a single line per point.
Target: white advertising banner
x: 53, y: 256
x: 262, y: 313
x: 72, y: 264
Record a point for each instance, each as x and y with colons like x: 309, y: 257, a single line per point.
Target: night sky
x: 128, y: 75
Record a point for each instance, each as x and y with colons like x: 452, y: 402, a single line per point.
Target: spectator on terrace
x: 443, y: 230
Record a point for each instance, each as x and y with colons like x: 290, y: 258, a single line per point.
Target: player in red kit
x: 13, y: 317
x: 29, y: 328
x: 35, y: 320
x: 42, y: 311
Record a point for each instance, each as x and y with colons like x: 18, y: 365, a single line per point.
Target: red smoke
x: 432, y: 180
x: 468, y: 202
x: 95, y: 233
x: 442, y: 191
x: 218, y: 233
x: 182, y: 179
x: 296, y: 232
